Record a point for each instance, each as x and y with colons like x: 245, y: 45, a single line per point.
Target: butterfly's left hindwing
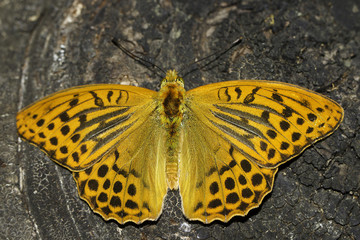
x: 105, y: 135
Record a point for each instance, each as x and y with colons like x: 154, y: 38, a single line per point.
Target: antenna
x: 149, y: 64
x: 142, y: 61
x: 217, y: 55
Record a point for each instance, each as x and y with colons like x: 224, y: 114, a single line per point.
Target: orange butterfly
x: 220, y: 144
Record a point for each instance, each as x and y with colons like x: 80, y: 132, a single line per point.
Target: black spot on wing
x: 251, y: 96
x: 265, y: 115
x: 287, y: 112
x: 246, y: 193
x: 132, y: 190
x: 64, y: 150
x: 40, y: 122
x: 271, y: 153
x: 245, y: 165
x: 238, y: 91
x: 65, y: 130
x: 102, y: 171
x: 74, y: 102
x: 309, y: 130
x: 284, y: 125
x: 232, y: 198
x: 229, y: 183
x: 277, y: 97
x: 88, y: 171
x: 271, y: 133
x: 51, y: 126
x: 256, y: 179
x: 97, y: 100
x: 115, y: 201
x: 312, y: 117
x: 93, y: 184
x: 64, y: 117
x: 54, y: 141
x: 110, y: 93
x: 214, y: 188
x: 117, y: 187
x: 75, y: 138
x: 131, y: 204
x: 295, y: 136
x: 214, y: 203
x: 198, y: 206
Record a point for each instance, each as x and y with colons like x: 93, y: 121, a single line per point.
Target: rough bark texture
x: 47, y: 46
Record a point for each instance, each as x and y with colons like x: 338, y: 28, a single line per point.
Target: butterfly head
x: 172, y: 77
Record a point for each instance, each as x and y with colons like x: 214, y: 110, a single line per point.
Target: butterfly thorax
x: 171, y: 99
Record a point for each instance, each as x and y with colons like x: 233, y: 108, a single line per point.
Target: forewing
x: 268, y: 122
x: 78, y: 126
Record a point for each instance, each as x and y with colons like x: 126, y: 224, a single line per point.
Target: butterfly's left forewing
x: 105, y: 135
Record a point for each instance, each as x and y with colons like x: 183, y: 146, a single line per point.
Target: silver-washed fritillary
x: 220, y: 144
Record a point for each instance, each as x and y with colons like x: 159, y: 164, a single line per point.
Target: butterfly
x: 219, y: 144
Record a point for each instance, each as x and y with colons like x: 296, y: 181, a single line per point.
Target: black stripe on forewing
x: 105, y: 127
x: 266, y: 109
x: 100, y: 142
x: 117, y: 117
x: 113, y: 134
x: 239, y: 137
x: 100, y: 118
x: 248, y: 116
x: 242, y: 124
x: 234, y: 134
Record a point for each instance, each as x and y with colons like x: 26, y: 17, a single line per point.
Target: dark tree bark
x: 47, y: 46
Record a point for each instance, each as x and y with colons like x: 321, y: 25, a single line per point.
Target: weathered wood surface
x: 47, y: 46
